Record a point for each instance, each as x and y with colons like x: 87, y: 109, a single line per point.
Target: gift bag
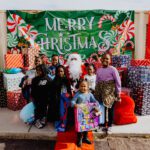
x: 85, y: 118
x: 15, y: 100
x: 27, y: 113
x: 13, y: 61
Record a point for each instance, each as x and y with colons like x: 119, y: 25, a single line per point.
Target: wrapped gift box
x: 15, y: 100
x: 140, y: 73
x: 121, y: 61
x: 140, y: 62
x: 26, y: 60
x: 3, y: 98
x: 13, y: 61
x: 85, y: 119
x: 12, y: 81
x: 29, y: 56
x: 141, y: 95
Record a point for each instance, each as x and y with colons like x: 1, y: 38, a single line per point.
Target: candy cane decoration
x: 13, y: 22
x: 121, y: 42
x: 118, y: 13
x: 90, y: 60
x: 105, y: 17
x: 129, y: 42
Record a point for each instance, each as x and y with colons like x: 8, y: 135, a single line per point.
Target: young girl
x: 81, y: 97
x: 60, y: 86
x: 40, y: 89
x: 108, y: 88
x: 91, y: 77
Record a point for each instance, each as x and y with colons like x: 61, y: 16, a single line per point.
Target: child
x: 40, y: 91
x: 91, y: 77
x: 108, y: 88
x: 52, y: 68
x: 81, y: 97
x: 60, y: 86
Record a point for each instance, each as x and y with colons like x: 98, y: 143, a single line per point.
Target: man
x: 75, y: 70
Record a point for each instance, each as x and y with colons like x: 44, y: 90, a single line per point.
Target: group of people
x: 74, y: 84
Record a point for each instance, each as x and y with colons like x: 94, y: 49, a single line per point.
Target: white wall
x: 3, y: 38
x: 75, y: 4
x: 141, y: 19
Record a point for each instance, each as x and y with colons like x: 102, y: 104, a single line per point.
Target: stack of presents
x: 10, y: 92
x: 135, y: 76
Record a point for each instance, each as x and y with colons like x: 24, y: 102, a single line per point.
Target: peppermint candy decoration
x: 13, y: 22
x: 12, y: 40
x: 126, y: 29
x: 105, y: 17
x: 111, y: 36
x: 30, y: 31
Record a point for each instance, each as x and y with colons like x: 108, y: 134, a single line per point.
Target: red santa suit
x: 75, y: 69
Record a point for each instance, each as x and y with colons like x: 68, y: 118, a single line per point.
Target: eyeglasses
x: 73, y: 58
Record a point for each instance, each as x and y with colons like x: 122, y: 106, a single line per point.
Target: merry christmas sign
x: 64, y: 32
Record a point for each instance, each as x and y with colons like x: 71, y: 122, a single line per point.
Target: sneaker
x: 38, y: 124
x: 86, y: 140
x: 79, y: 142
x: 43, y: 121
x: 109, y: 130
x: 104, y: 129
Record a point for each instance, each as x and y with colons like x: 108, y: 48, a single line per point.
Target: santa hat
x: 74, y: 55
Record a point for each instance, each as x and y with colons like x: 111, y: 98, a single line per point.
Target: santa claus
x: 75, y: 69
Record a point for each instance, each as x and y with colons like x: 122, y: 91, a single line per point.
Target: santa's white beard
x: 75, y: 69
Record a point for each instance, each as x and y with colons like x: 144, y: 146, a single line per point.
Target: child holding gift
x: 108, y: 88
x: 82, y: 97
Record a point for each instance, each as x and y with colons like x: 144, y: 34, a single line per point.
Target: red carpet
x: 67, y: 141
